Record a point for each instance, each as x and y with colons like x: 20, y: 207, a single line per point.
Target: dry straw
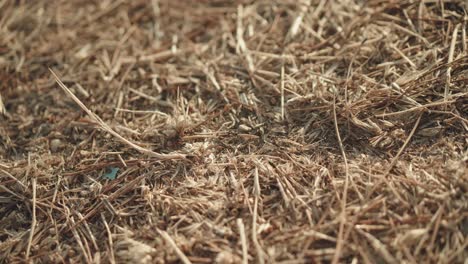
x: 318, y: 131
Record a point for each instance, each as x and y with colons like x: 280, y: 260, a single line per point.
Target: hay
x: 240, y: 131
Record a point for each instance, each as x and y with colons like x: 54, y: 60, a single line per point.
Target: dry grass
x: 244, y: 131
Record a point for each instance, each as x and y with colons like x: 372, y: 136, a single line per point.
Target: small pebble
x: 55, y: 145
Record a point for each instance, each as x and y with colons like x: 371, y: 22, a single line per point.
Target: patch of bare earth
x: 233, y: 131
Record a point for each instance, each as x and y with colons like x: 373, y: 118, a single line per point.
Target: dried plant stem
x: 379, y: 247
x: 243, y: 239
x: 2, y: 106
x: 33, y: 221
x: 395, y: 159
x: 417, y: 108
x: 450, y: 60
x: 340, y: 242
x: 260, y: 253
x: 108, y: 129
x: 109, y: 236
x: 174, y: 246
x: 13, y: 178
x: 282, y: 92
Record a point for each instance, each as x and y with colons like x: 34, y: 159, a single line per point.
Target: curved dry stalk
x: 108, y: 129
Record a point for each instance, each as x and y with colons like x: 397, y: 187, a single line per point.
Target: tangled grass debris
x: 242, y: 131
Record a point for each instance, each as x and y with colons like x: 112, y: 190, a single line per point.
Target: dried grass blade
x: 106, y: 127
